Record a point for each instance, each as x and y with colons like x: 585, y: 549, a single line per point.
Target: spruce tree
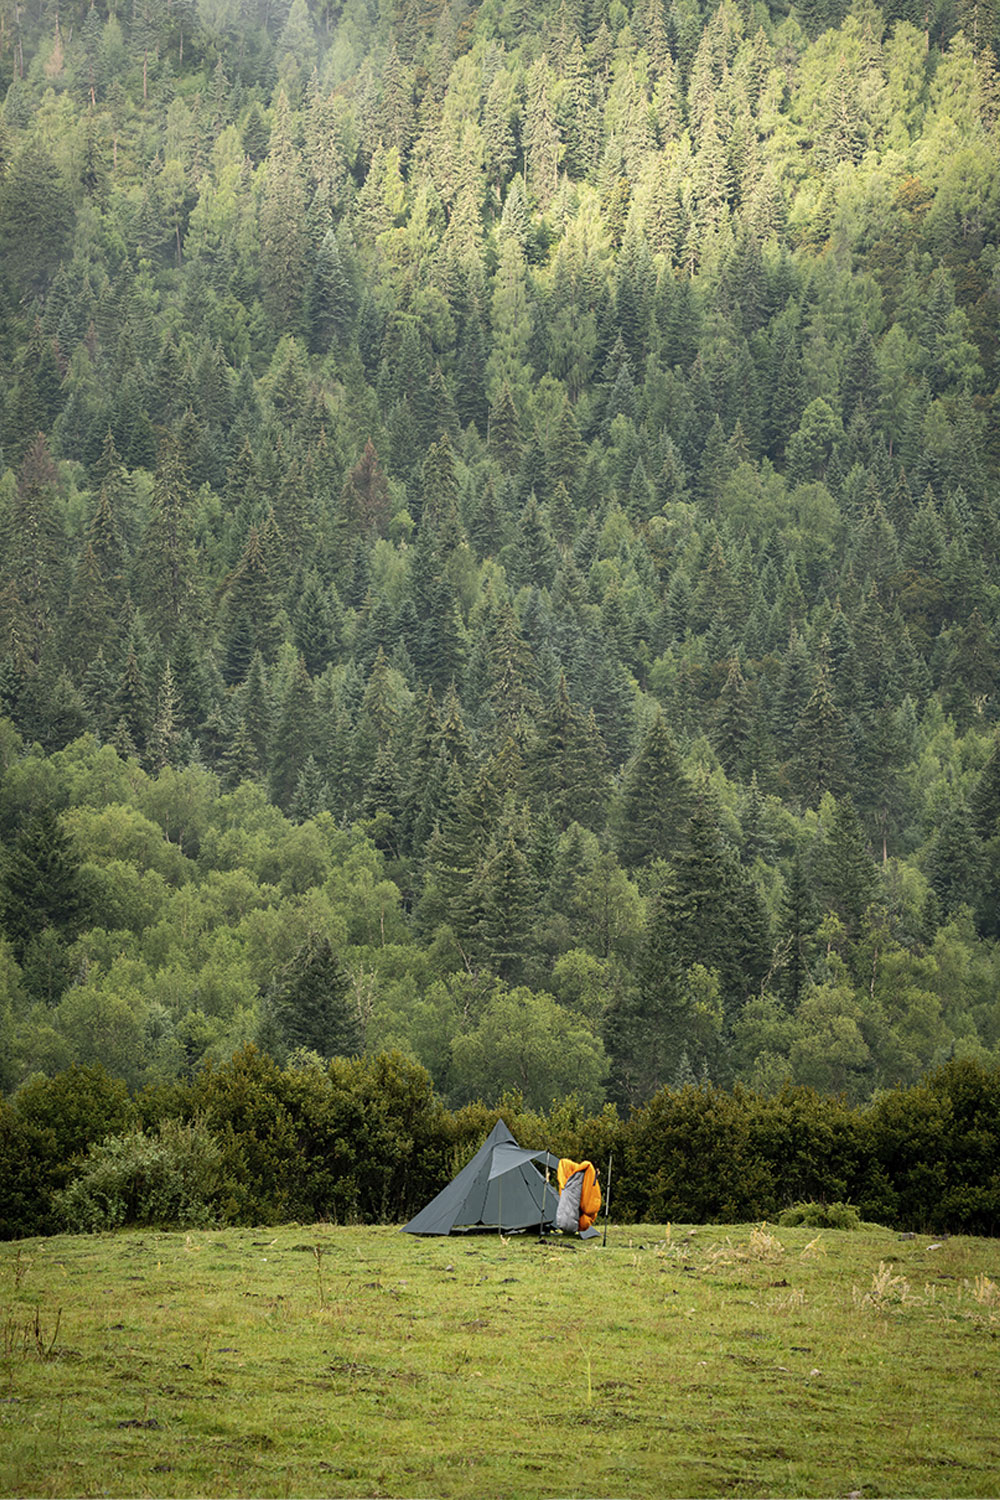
x: 566, y: 768
x: 733, y: 726
x: 31, y: 547
x: 40, y: 883
x: 240, y: 761
x: 849, y: 879
x: 712, y: 914
x: 655, y: 800
x: 164, y: 735
x: 820, y: 746
x: 505, y: 894
x: 984, y: 802
x: 294, y: 734
x: 309, y: 1003
x: 167, y: 569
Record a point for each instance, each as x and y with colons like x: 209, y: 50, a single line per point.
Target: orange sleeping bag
x: 590, y: 1191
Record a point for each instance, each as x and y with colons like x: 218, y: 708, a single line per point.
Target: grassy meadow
x: 675, y: 1361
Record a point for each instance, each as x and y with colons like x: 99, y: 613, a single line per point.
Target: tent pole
x: 545, y: 1201
x: 607, y: 1199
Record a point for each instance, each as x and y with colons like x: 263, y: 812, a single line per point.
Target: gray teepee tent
x: 500, y: 1188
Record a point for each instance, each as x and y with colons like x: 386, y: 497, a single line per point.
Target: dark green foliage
x: 46, y: 1128
x: 655, y: 801
x: 36, y: 216
x: 567, y: 768
x: 357, y: 1141
x: 294, y: 732
x: 40, y: 883
x: 309, y: 1004
x: 710, y: 913
x: 170, y: 1178
x: 599, y: 394
x: 849, y: 878
x: 365, y: 1139
x: 822, y: 1215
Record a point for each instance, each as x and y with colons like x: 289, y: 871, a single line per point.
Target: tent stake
x: 607, y: 1200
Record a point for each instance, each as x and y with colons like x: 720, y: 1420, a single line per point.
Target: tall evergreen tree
x: 40, y: 884
x: 309, y: 1003
x: 566, y: 768
x: 167, y: 568
x: 655, y: 800
x: 294, y: 735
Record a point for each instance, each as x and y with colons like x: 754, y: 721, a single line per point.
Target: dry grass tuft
x: 886, y: 1292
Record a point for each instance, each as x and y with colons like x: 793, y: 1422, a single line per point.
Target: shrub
x: 811, y: 1144
x: 689, y: 1156
x: 45, y: 1129
x: 80, y: 1106
x: 28, y: 1165
x: 244, y: 1102
x: 167, y: 1178
x: 822, y: 1216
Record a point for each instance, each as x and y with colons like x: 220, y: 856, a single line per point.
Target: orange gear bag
x: 590, y: 1192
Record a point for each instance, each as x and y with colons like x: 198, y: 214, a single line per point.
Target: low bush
x: 821, y: 1216
x: 365, y: 1140
x: 167, y: 1178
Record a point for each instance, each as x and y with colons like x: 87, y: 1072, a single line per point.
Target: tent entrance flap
x: 500, y: 1188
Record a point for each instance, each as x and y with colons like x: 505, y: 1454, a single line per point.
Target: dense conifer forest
x: 499, y: 520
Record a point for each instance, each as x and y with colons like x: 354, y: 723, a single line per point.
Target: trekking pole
x: 607, y: 1200
x: 545, y: 1202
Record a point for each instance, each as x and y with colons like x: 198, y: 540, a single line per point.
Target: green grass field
x: 746, y: 1360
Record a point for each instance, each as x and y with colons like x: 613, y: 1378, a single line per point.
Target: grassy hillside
x: 749, y: 1360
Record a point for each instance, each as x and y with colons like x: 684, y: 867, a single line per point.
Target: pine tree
x: 254, y: 704
x: 164, y: 735
x: 240, y: 761
x: 504, y: 435
x: 98, y: 687
x: 511, y: 672
x: 40, y: 882
x: 984, y: 802
x: 956, y: 861
x: 821, y: 751
x: 314, y: 625
x: 655, y: 800
x: 505, y: 894
x: 309, y: 1003
x: 567, y: 767
x: 713, y: 914
x: 311, y: 795
x: 294, y: 734
x: 89, y: 623
x: 452, y: 856
x: 849, y: 879
x: 57, y: 709
x: 32, y: 548
x: 168, y: 570
x: 541, y: 139
x: 733, y: 721
x: 132, y: 712
x: 797, y: 946
x: 364, y: 501
x: 330, y: 302
x: 283, y: 251
x: 532, y: 555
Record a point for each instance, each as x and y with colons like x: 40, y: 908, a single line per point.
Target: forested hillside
x: 500, y: 518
